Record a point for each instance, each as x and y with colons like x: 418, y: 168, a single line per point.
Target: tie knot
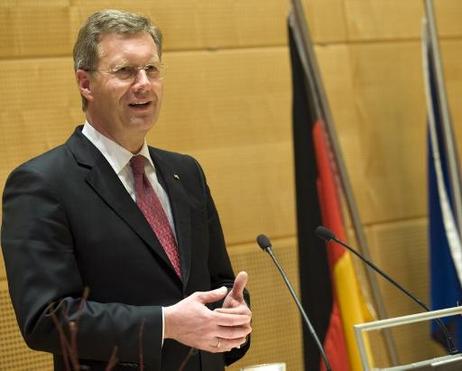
x: 137, y: 164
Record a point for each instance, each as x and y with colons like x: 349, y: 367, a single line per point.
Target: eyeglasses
x: 154, y: 72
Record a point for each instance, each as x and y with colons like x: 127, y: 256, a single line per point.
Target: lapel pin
x: 176, y: 176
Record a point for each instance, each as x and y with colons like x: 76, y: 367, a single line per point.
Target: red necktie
x: 150, y: 206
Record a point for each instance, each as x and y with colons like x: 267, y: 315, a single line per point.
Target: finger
x: 240, y: 309
x: 233, y: 333
x: 212, y: 296
x: 226, y: 345
x: 230, y: 319
x: 240, y: 282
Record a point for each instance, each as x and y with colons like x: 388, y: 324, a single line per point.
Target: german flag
x: 329, y: 287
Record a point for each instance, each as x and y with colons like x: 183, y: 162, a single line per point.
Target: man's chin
x: 142, y: 124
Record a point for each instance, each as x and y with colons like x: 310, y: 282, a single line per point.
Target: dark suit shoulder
x: 172, y: 157
x: 59, y: 160
x: 51, y: 162
x: 177, y: 163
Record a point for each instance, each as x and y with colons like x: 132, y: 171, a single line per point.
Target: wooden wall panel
x: 202, y: 24
x: 326, y: 20
x: 253, y: 188
x: 400, y: 248
x: 371, y: 20
x: 225, y: 99
x: 29, y: 28
x: 376, y: 94
x: 14, y: 354
x: 277, y: 331
x: 42, y: 105
x: 334, y: 21
x: 336, y: 64
x: 448, y: 14
x: 390, y: 104
x: 379, y: 20
x: 34, y: 28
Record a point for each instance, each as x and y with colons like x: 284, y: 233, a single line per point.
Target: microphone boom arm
x: 327, y: 235
x: 269, y: 250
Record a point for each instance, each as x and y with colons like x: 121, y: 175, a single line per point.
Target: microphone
x: 265, y: 245
x: 327, y: 235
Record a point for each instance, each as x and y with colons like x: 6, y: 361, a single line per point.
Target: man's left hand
x: 234, y: 303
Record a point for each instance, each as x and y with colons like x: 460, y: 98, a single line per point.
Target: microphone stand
x: 269, y: 250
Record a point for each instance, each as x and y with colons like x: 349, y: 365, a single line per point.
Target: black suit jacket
x: 69, y: 223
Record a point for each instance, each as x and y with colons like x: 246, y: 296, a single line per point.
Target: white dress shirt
x: 119, y: 159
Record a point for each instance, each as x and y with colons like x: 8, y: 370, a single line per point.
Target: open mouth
x: 140, y: 105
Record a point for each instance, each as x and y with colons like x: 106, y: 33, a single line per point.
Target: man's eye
x: 151, y: 69
x: 124, y: 72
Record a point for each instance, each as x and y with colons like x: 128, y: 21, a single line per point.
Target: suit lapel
x: 180, y: 209
x: 105, y: 182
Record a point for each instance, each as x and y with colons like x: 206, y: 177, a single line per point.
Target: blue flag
x: 444, y: 231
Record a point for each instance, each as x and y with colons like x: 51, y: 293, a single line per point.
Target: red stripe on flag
x: 334, y: 342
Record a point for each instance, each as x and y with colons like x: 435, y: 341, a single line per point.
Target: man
x: 134, y: 224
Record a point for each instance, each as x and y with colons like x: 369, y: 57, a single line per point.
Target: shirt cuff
x: 163, y: 328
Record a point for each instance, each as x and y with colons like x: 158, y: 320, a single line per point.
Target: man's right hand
x: 190, y: 322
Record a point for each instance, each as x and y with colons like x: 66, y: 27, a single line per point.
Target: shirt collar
x: 117, y: 156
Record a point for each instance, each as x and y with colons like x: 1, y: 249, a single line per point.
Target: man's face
x: 123, y: 107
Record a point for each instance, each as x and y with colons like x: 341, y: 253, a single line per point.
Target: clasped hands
x: 192, y: 323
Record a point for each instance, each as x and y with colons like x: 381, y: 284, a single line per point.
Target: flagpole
x: 453, y: 162
x: 316, y: 87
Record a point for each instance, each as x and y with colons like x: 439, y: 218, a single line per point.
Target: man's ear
x: 83, y: 81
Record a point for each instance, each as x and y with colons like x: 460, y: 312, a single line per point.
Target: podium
x: 444, y: 363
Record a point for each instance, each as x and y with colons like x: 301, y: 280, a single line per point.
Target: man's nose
x: 141, y: 78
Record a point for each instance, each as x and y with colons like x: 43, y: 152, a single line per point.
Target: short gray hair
x: 106, y: 22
